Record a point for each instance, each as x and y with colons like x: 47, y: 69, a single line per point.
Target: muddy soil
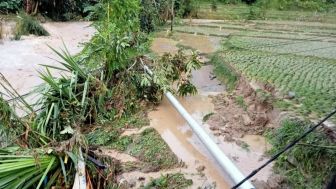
x: 236, y: 130
x: 242, y: 112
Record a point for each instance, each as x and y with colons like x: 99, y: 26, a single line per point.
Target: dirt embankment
x: 245, y: 111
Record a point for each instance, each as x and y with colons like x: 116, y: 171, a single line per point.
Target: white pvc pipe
x: 226, y: 164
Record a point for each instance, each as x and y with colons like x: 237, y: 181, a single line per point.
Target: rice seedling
x: 27, y: 25
x: 312, y: 79
x: 316, y: 47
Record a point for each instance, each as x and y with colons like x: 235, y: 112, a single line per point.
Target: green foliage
x: 17, y: 171
x: 207, y: 117
x: 214, y: 5
x: 150, y: 148
x: 106, y: 82
x: 102, y: 137
x: 28, y: 25
x: 169, y: 181
x: 224, y: 72
x: 257, y: 12
x: 65, y: 10
x: 241, y: 102
x: 10, y: 6
x: 300, y: 74
x: 310, y: 163
x: 312, y: 10
x: 6, y: 122
x: 313, y: 5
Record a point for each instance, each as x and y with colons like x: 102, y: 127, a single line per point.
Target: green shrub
x: 28, y: 25
x: 214, y: 5
x: 10, y: 6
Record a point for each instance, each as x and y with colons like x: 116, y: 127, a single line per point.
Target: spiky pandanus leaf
x: 20, y: 171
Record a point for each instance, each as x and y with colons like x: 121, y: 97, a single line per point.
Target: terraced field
x: 242, y: 11
x: 314, y: 46
x: 312, y: 79
x: 291, y: 56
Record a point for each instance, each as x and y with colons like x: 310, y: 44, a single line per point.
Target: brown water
x: 175, y: 131
x: 20, y: 60
x: 181, y: 139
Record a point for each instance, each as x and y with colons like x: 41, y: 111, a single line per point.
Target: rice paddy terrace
x: 292, y: 56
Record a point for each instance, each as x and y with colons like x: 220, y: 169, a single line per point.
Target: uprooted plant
x: 27, y: 25
x: 106, y: 81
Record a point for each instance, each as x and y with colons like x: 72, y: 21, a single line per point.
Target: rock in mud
x: 200, y: 168
x: 214, y: 128
x: 246, y: 120
x: 131, y: 182
x: 260, y: 184
x: 275, y: 181
x: 290, y: 95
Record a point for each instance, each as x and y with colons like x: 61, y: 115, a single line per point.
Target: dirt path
x: 20, y: 60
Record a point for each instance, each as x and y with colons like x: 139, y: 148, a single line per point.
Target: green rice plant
x: 310, y: 163
x: 316, y: 47
x: 311, y: 78
x: 151, y: 149
x: 27, y: 25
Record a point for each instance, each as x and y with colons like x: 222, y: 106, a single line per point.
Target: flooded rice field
x: 21, y: 60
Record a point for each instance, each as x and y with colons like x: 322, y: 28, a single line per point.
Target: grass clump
x: 224, y: 72
x: 241, y: 102
x: 170, y: 181
x: 150, y: 148
x: 310, y: 163
x: 27, y: 25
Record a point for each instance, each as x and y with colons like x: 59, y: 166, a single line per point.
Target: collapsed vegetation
x: 27, y: 25
x: 104, y: 84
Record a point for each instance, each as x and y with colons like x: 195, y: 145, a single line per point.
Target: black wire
x: 289, y: 146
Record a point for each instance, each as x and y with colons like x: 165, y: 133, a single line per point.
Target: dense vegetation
x: 28, y: 25
x: 10, y: 6
x: 310, y: 164
x: 103, y: 85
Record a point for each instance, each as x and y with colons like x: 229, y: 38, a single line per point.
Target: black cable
x: 289, y: 146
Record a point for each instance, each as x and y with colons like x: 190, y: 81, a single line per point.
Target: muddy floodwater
x: 20, y: 60
x: 176, y: 132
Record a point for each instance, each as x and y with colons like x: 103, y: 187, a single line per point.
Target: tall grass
x: 27, y: 25
x: 311, y: 163
x: 224, y: 72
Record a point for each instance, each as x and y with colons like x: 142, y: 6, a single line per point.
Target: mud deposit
x: 20, y: 60
x: 245, y: 148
